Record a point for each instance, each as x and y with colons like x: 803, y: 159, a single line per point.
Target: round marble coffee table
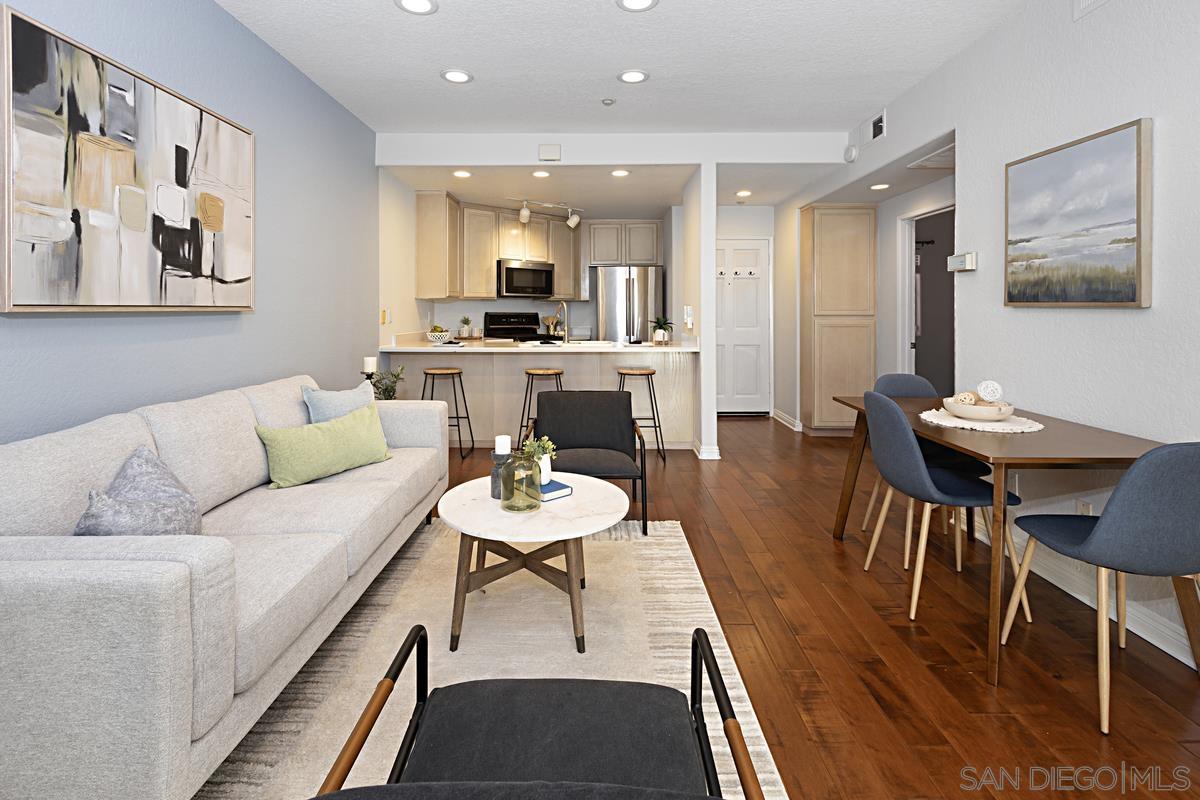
x: 594, y: 505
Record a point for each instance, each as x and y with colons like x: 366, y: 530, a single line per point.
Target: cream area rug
x: 644, y: 597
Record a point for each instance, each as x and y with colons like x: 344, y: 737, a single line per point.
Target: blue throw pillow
x: 145, y: 499
x: 325, y: 405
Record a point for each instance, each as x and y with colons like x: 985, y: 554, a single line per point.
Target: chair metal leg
x: 1103, y: 677
x: 558, y: 382
x: 919, y: 569
x: 908, y: 531
x: 1121, y: 610
x: 1018, y: 590
x: 462, y: 453
x: 645, y: 512
x: 620, y: 383
x: 887, y: 502
x: 871, y: 504
x: 424, y: 386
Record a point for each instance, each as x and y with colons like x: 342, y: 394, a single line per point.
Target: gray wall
x: 316, y: 235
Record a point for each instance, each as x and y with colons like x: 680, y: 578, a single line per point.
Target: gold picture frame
x: 1069, y: 239
x: 187, y: 201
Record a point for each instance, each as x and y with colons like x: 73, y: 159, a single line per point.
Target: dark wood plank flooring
x: 858, y: 702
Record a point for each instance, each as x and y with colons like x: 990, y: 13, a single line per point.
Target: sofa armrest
x: 204, y: 570
x: 415, y: 423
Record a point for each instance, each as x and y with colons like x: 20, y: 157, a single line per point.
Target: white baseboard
x: 787, y: 420
x: 710, y: 453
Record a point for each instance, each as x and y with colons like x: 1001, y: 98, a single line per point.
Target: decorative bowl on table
x: 980, y: 411
x: 438, y: 337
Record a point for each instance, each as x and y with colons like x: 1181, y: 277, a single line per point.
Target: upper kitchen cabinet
x: 511, y: 243
x: 479, y: 234
x: 439, y: 245
x: 617, y: 242
x: 537, y: 239
x: 564, y: 254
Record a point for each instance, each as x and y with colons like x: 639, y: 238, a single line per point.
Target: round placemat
x: 943, y: 418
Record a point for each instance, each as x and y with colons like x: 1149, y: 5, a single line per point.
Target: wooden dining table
x: 1061, y: 444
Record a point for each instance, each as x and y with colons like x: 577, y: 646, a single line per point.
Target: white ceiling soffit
x: 942, y: 158
x: 545, y: 65
x: 769, y: 184
x: 646, y: 193
x: 900, y: 175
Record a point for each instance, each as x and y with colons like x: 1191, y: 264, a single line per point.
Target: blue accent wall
x: 316, y: 235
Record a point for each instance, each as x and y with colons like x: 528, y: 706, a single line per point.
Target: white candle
x: 503, y: 444
x: 369, y: 364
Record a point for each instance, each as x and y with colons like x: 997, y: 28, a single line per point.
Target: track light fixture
x: 524, y: 215
x: 572, y: 219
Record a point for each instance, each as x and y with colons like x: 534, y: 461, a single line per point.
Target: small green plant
x: 536, y: 448
x: 384, y: 383
x: 663, y: 324
x: 465, y: 322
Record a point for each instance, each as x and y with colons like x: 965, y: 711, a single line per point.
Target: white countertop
x: 423, y: 345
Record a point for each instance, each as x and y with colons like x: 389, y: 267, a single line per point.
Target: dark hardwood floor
x: 858, y: 702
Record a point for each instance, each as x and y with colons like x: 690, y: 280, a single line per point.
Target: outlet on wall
x: 1084, y: 507
x: 385, y: 316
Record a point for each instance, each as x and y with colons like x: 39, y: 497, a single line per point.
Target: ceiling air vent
x: 1082, y: 8
x: 942, y: 158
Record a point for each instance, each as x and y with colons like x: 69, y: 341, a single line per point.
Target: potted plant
x: 465, y: 330
x: 662, y: 330
x: 542, y: 451
x: 384, y: 383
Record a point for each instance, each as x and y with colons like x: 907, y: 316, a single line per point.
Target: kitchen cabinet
x: 511, y: 241
x: 619, y: 242
x: 641, y: 244
x: 606, y: 243
x: 537, y: 239
x: 479, y: 234
x: 837, y: 310
x: 438, y: 245
x: 564, y: 253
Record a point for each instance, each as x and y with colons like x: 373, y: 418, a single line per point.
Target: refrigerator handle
x: 630, y: 298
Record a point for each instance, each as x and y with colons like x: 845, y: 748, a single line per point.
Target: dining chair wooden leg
x: 957, y: 547
x: 945, y: 520
x: 887, y: 501
x: 1018, y: 588
x: 1011, y: 547
x: 1121, y: 610
x: 871, y: 502
x: 920, y: 566
x: 1103, y: 676
x: 908, y: 532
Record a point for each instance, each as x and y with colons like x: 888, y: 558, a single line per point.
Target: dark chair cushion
x: 958, y: 489
x: 942, y: 457
x: 572, y: 730
x: 1062, y: 533
x: 597, y: 463
x: 598, y: 420
x: 534, y: 790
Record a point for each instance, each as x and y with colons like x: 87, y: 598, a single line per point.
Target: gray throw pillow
x: 145, y: 499
x: 325, y: 405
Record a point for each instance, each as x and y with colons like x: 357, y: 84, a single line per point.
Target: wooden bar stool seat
x: 454, y: 375
x: 653, y: 421
x: 527, y: 407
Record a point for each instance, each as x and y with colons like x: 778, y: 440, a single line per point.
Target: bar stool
x: 456, y: 388
x: 527, y: 408
x: 651, y: 421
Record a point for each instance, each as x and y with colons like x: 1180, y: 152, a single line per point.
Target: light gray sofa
x: 131, y: 666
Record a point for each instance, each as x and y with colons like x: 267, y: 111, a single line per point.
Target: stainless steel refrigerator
x: 627, y: 301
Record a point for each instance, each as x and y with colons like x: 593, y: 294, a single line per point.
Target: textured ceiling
x: 544, y: 65
x: 768, y: 183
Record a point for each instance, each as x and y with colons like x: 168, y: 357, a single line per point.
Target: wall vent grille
x: 942, y: 158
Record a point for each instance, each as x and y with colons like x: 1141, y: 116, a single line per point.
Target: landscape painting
x: 1078, y: 222
x: 121, y: 195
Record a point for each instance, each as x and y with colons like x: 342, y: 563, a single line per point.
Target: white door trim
x: 770, y: 242
x: 906, y: 245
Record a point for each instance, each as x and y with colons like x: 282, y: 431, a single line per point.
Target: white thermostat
x: 961, y: 262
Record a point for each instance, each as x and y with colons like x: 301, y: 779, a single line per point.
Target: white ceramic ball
x: 990, y: 391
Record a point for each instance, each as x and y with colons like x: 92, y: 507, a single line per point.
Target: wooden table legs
x: 853, y: 462
x: 468, y: 580
x: 996, y: 584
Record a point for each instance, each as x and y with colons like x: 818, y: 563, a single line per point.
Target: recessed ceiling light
x: 634, y: 76
x: 541, y: 173
x: 637, y: 5
x: 461, y: 173
x: 879, y: 187
x: 421, y: 7
x: 457, y: 75
x: 745, y: 193
x: 620, y: 173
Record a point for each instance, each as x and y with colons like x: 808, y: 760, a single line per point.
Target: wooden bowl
x: 981, y: 413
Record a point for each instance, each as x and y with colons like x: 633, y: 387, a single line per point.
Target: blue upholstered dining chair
x: 902, y: 465
x: 1148, y: 528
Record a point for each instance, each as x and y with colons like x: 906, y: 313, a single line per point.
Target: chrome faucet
x: 562, y: 307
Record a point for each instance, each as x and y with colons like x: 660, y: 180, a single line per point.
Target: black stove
x: 520, y: 326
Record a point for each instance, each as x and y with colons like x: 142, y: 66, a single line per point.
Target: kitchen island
x: 494, y: 379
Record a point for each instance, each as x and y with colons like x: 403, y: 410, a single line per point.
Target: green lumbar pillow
x: 303, y: 454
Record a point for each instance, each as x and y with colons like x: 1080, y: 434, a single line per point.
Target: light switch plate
x: 961, y: 262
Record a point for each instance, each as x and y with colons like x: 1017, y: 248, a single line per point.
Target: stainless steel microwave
x: 524, y: 278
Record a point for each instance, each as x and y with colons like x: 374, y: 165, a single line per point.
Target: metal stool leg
x: 457, y: 419
x: 466, y: 413
x: 423, y: 387
x: 621, y: 383
x: 525, y: 407
x: 658, y: 439
x: 558, y: 382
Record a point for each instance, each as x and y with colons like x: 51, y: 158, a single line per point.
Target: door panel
x: 744, y: 325
x: 562, y: 253
x: 844, y: 262
x: 934, y: 288
x: 845, y: 365
x: 479, y: 252
x: 746, y: 377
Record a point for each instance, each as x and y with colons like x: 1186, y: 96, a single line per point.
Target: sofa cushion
x: 280, y: 404
x: 324, y: 405
x: 360, y: 513
x: 145, y: 499
x: 419, y: 465
x: 282, y: 583
x: 44, y: 481
x: 210, y: 444
x: 299, y: 455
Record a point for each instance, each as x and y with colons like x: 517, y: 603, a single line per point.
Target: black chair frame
x: 703, y: 661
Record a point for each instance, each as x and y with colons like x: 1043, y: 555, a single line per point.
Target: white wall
x: 745, y: 222
x: 398, y: 259
x: 672, y: 233
x: 893, y: 289
x: 785, y: 301
x: 1038, y: 81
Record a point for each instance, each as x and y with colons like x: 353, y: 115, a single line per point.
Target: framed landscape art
x: 119, y: 194
x: 1077, y: 222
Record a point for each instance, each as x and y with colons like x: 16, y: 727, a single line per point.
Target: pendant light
x: 524, y: 215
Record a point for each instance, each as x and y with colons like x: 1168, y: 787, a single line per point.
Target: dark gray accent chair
x: 1148, y: 527
x: 595, y: 434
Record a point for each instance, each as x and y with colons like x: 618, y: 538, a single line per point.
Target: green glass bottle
x: 520, y: 485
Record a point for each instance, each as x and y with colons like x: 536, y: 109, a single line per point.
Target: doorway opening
x: 932, y: 332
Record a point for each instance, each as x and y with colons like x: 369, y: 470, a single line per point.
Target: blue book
x: 554, y: 490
